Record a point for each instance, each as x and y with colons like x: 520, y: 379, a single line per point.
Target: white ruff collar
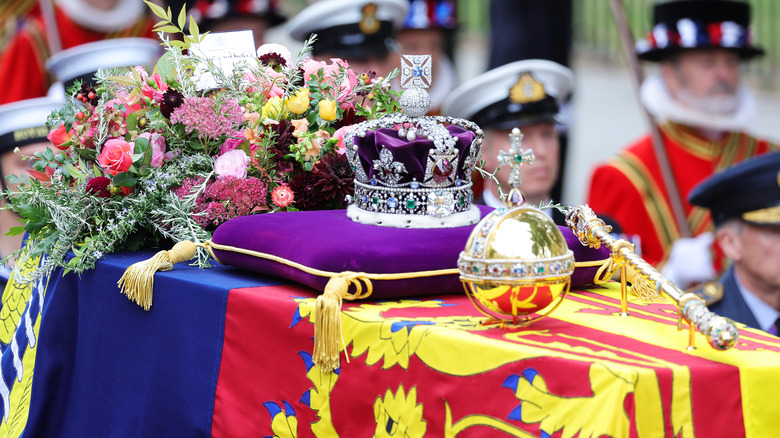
x: 125, y: 14
x: 656, y: 98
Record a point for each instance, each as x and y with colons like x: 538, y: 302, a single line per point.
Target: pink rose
x: 115, y: 157
x: 231, y: 163
x: 60, y: 137
x: 346, y: 88
x: 157, y: 142
x: 269, y: 87
x: 232, y: 142
x: 310, y: 67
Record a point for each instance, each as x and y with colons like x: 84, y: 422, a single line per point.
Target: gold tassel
x: 327, y: 324
x: 138, y: 280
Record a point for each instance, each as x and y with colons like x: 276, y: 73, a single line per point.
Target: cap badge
x: 526, y: 89
x: 369, y: 24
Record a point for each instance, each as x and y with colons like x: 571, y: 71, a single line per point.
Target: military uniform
x: 630, y: 188
x: 22, y: 63
x: 748, y: 193
x: 518, y: 94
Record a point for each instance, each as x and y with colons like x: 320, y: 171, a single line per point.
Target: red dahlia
x: 98, y: 186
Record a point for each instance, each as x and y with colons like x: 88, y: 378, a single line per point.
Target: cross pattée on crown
x: 416, y: 71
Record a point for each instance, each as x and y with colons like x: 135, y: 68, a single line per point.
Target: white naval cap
x: 24, y: 122
x: 350, y: 28
x: 83, y: 61
x: 515, y: 94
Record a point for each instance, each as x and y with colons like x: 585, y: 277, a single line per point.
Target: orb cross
x: 515, y: 157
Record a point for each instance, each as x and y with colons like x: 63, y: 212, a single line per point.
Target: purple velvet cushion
x: 328, y: 240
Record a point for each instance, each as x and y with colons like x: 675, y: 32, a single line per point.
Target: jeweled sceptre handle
x: 721, y: 332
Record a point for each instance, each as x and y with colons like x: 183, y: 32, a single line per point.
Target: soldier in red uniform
x: 703, y: 112
x: 22, y: 63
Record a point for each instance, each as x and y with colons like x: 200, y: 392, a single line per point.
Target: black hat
x: 696, y: 24
x: 350, y: 29
x: 24, y: 122
x: 208, y: 12
x: 520, y: 93
x: 749, y: 191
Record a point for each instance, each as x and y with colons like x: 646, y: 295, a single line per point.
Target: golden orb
x: 516, y: 264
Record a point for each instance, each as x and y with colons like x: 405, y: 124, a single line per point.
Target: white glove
x: 690, y: 261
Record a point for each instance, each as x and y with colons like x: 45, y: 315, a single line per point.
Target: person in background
x: 22, y: 127
x: 361, y: 32
x: 13, y: 14
x: 522, y: 94
x: 76, y: 22
x: 744, y: 202
x: 535, y: 29
x: 703, y: 112
x: 227, y: 15
x: 429, y: 30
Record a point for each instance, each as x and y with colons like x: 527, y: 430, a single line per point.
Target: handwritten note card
x: 225, y: 50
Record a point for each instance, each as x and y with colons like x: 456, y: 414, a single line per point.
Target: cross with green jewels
x: 516, y: 157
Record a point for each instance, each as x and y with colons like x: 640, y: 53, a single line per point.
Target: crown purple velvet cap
x: 330, y: 241
x: 414, y: 172
x: 413, y: 154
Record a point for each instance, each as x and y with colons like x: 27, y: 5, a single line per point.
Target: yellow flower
x: 274, y: 108
x: 299, y: 102
x: 328, y: 110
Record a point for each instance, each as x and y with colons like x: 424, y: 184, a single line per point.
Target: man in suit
x: 744, y: 202
x: 522, y: 94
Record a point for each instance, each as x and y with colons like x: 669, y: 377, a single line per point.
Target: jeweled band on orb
x: 478, y: 269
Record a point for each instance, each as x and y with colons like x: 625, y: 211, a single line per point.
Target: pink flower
x: 282, y: 196
x: 310, y: 67
x: 60, y: 137
x: 231, y: 163
x: 154, y: 93
x: 158, y: 147
x: 115, y: 157
x: 339, y: 135
x: 208, y: 118
x: 346, y: 88
x: 269, y: 88
x: 232, y: 142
